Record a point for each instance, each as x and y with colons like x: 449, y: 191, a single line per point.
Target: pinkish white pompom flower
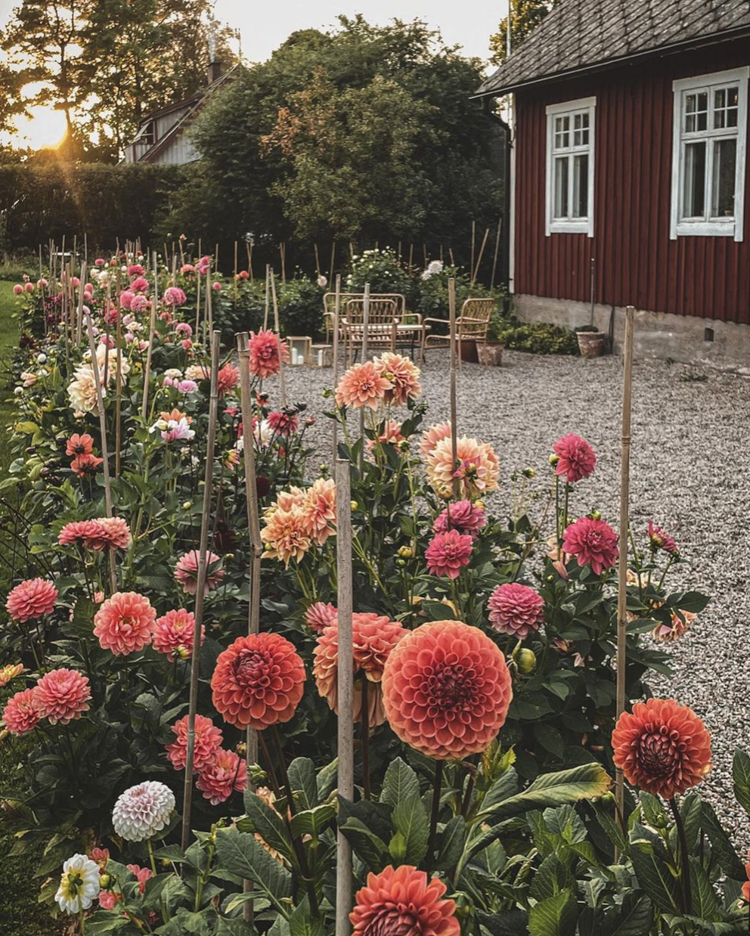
x: 142, y: 811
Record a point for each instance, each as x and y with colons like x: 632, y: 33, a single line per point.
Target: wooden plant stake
x: 473, y: 242
x: 277, y: 328
x: 336, y: 314
x: 209, y: 305
x: 345, y: 686
x: 497, y: 251
x: 200, y: 589
x: 234, y: 280
x: 317, y: 260
x: 79, y: 313
x: 105, y: 450
x: 118, y: 390
x: 622, y: 565
x: 411, y: 255
x: 196, y: 332
x: 267, y: 307
x: 249, y: 248
x: 453, y: 402
x: 365, y: 351
x: 333, y: 260
x: 481, y: 254
x: 147, y: 370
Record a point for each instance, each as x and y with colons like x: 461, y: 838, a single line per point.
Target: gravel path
x: 689, y: 472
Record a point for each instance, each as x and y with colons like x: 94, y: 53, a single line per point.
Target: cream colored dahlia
x: 142, y: 811
x: 477, y: 468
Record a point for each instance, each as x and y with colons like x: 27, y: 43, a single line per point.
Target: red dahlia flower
x: 662, y: 747
x: 576, y: 458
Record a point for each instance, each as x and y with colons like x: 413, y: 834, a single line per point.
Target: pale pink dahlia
x: 125, y: 623
x: 592, y: 542
x: 208, y: 740
x: 174, y: 296
x: 142, y: 811
x: 63, y: 695
x: 319, y: 510
x: 576, y: 458
x: 431, y: 438
x: 186, y: 572
x: 225, y: 773
x: 21, y: 713
x: 319, y: 615
x: 403, y: 376
x: 362, y: 385
x: 477, y: 467
x: 462, y: 516
x: 448, y: 553
x: 516, y: 610
x: 173, y: 634
x: 31, y: 599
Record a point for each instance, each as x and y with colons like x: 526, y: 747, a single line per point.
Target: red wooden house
x: 630, y: 176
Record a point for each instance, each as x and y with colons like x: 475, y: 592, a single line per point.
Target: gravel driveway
x: 690, y: 472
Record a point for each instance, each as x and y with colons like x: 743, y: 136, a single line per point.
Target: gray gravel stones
x: 689, y: 472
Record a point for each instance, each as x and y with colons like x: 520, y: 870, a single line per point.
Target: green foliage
x: 385, y: 273
x: 525, y: 17
x: 300, y: 302
x: 538, y: 338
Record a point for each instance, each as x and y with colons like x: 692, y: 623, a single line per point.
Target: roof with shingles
x: 582, y: 34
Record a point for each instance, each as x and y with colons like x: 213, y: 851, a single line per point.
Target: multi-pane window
x: 570, y: 166
x: 710, y: 122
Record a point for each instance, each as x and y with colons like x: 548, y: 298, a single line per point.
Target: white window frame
x: 570, y: 225
x: 713, y: 227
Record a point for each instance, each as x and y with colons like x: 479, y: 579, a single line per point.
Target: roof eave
x: 696, y: 42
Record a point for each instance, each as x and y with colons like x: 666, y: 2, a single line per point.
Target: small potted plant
x: 490, y: 351
x: 591, y: 342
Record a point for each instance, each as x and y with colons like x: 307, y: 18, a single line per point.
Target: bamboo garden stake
x: 336, y: 313
x: 454, y: 425
x: 200, y: 589
x: 365, y: 351
x: 147, y: 369
x: 277, y: 328
x: 481, y: 254
x: 622, y: 567
x: 345, y: 686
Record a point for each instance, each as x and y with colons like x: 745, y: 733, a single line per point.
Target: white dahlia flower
x: 143, y: 810
x: 79, y: 884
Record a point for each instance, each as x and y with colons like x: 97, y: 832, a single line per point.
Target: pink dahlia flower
x: 173, y: 634
x: 592, y: 542
x: 576, y: 458
x: 63, y: 695
x: 264, y: 353
x: 136, y: 269
x: 21, y: 713
x: 319, y: 615
x: 403, y: 902
x: 126, y: 299
x: 362, y: 385
x: 431, y: 438
x: 141, y: 875
x: 125, y: 623
x: 174, y: 296
x: 111, y: 532
x: 660, y: 539
x: 186, y: 572
x: 516, y: 610
x: 403, y: 376
x: 464, y: 517
x: 208, y: 740
x: 79, y: 444
x: 79, y: 531
x: 282, y: 423
x: 448, y: 553
x: 139, y: 304
x: 31, y: 599
x: 227, y: 379
x: 226, y: 772
x: 139, y: 284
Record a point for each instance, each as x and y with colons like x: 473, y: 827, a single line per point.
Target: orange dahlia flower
x: 362, y: 385
x: 258, y: 681
x: 319, y: 510
x: 662, y: 747
x: 374, y: 638
x: 403, y: 376
x: 286, y: 533
x: 125, y: 623
x: 447, y: 689
x: 403, y: 902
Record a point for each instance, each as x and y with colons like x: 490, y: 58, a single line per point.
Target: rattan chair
x: 472, y: 324
x: 409, y: 330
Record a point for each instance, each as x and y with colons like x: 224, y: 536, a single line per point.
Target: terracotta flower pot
x: 591, y: 344
x: 490, y: 353
x: 468, y: 351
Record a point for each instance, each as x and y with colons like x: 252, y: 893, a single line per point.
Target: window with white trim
x: 570, y: 167
x: 708, y: 154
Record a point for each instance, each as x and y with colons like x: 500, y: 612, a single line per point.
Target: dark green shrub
x: 539, y: 338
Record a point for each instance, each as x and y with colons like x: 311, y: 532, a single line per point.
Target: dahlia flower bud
x: 526, y: 661
x: 554, y: 459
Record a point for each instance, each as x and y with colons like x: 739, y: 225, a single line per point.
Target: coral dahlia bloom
x: 446, y: 690
x: 464, y: 517
x: 282, y: 423
x: 431, y: 438
x: 576, y: 459
x: 286, y: 533
x: 83, y: 465
x: 227, y: 379
x: 516, y: 610
x: 374, y: 638
x: 111, y: 532
x: 662, y: 747
x: 79, y: 445
x: 319, y: 615
x: 448, y: 553
x: 676, y: 628
x: 174, y: 632
x: 21, y: 713
x: 78, y: 531
x: 63, y: 695
x: 31, y: 599
x: 362, y: 385
x: 264, y: 353
x: 403, y: 902
x: 403, y: 376
x: 186, y: 572
x: 660, y: 539
x: 746, y: 885
x: 258, y: 681
x: 226, y: 772
x: 592, y: 542
x: 208, y: 740
x: 319, y: 510
x: 125, y: 623
x: 477, y: 467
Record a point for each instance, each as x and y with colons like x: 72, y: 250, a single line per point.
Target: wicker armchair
x: 472, y: 324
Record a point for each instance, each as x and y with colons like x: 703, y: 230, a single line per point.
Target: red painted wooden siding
x: 636, y: 263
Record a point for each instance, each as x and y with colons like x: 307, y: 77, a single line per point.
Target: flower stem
x: 437, y: 787
x: 684, y: 860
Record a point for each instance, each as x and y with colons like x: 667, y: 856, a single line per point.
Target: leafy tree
x: 526, y: 15
x: 366, y: 132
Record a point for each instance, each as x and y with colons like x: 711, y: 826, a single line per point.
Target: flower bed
x: 485, y: 701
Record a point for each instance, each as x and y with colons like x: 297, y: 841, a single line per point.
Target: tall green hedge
x: 106, y: 202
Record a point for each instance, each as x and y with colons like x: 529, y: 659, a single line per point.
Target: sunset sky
x: 264, y: 26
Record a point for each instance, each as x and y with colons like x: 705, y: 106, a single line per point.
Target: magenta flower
x: 464, y: 517
x: 516, y: 610
x: 448, y: 553
x: 576, y: 458
x: 592, y: 542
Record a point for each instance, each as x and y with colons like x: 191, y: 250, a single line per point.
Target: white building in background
x: 163, y: 136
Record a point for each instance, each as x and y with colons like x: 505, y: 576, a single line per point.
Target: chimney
x: 214, y: 66
x: 214, y: 71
